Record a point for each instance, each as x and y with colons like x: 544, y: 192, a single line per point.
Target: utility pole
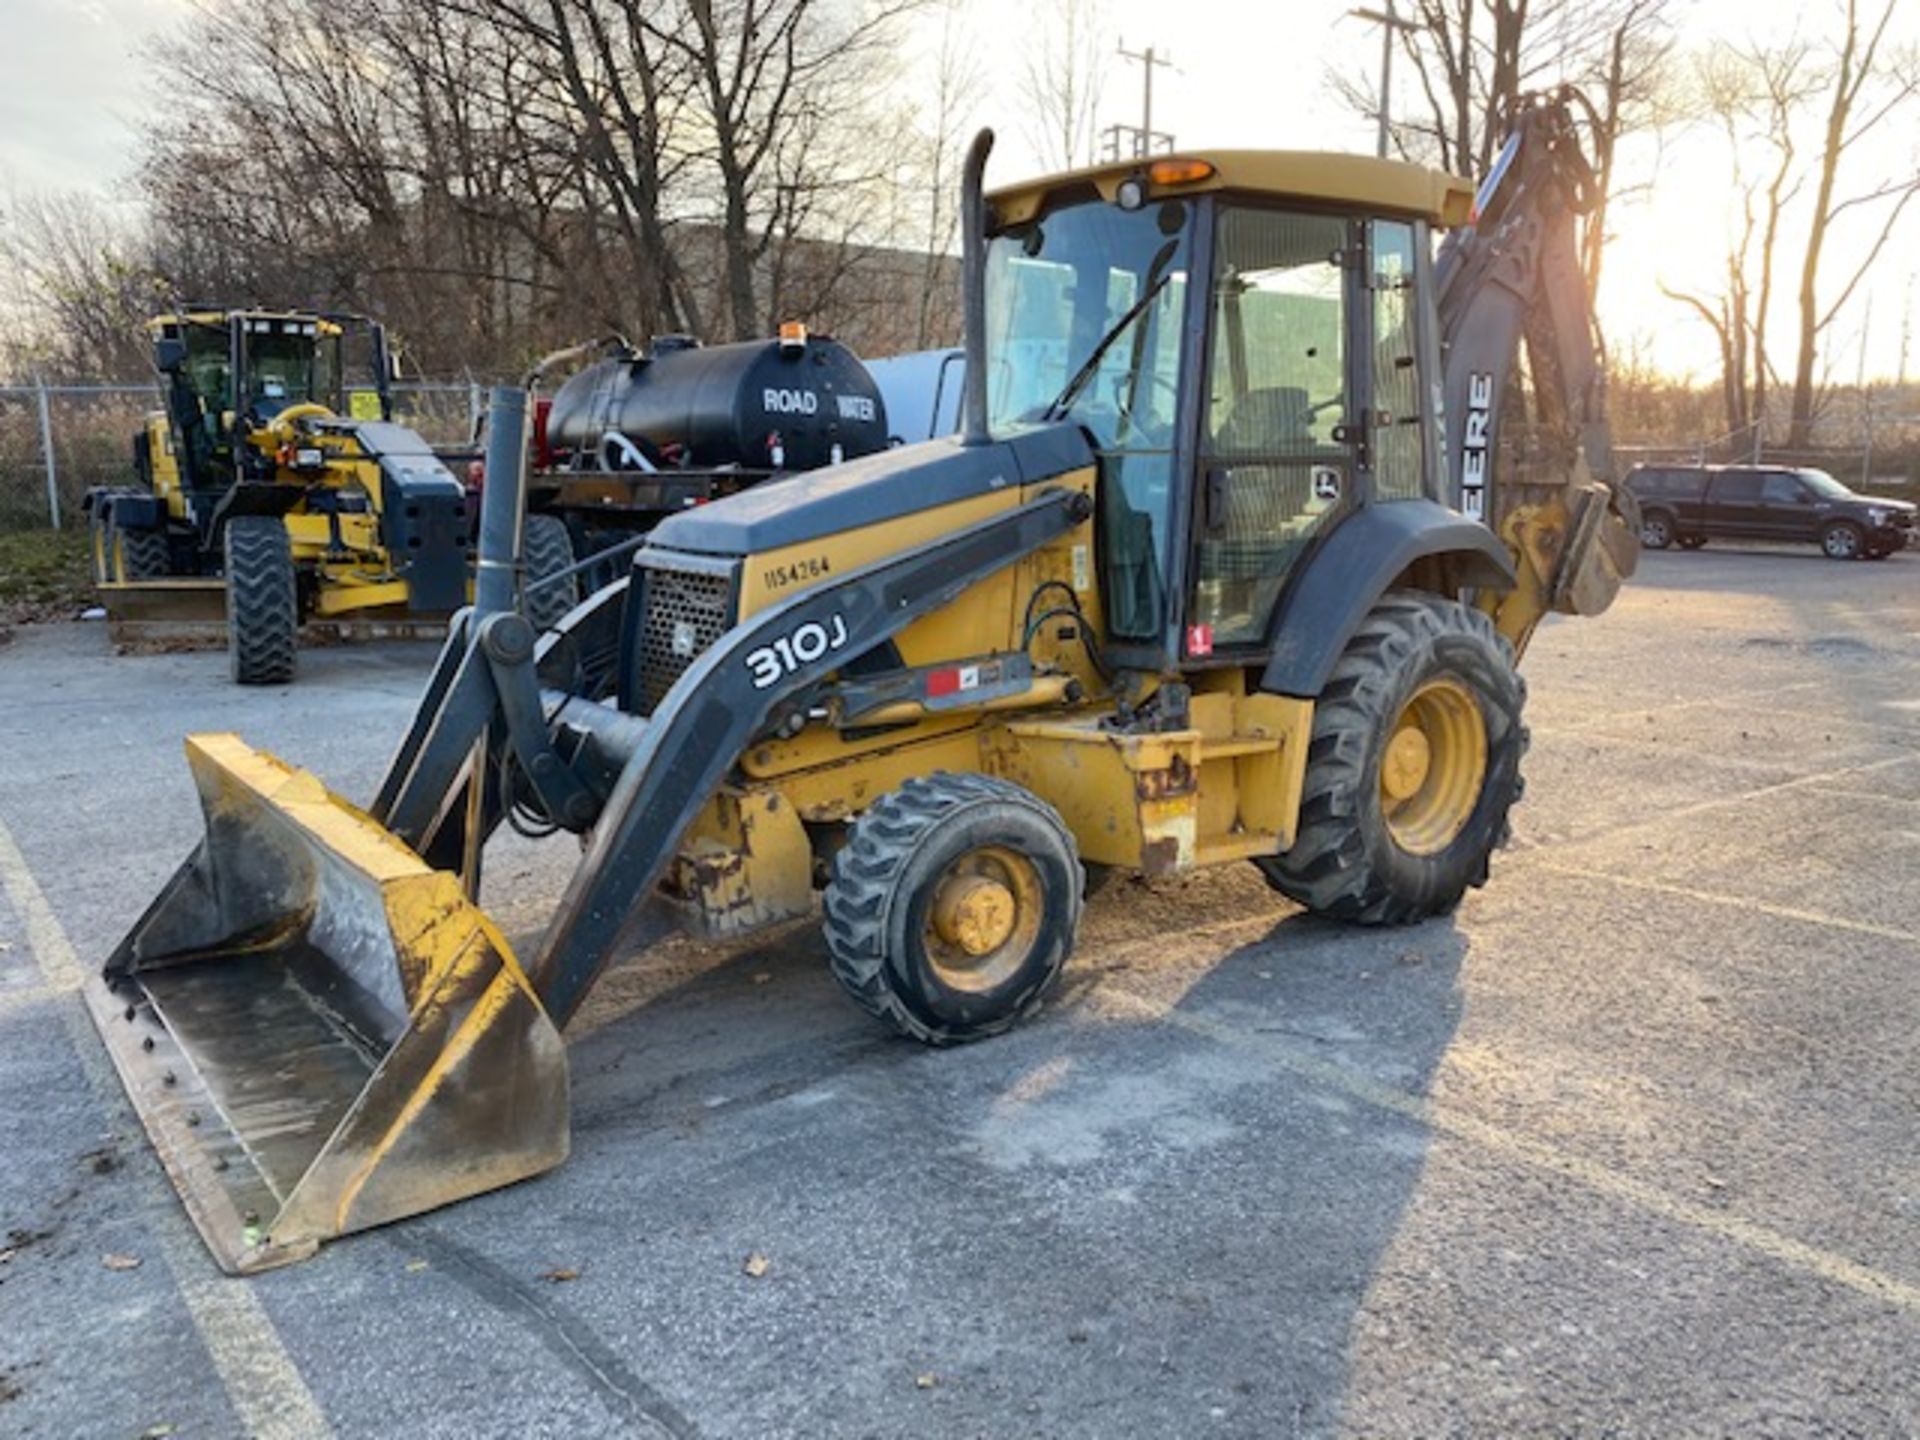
x: 1389, y: 24
x: 1866, y: 400
x: 1139, y: 140
x: 1906, y: 330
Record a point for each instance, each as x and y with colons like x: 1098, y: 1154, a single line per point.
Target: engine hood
x: 870, y: 491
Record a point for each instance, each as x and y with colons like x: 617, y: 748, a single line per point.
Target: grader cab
x: 1225, y: 567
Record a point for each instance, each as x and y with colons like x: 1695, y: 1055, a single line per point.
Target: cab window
x: 1399, y: 451
x: 1084, y: 308
x: 1272, y: 472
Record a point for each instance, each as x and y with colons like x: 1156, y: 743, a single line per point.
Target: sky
x: 1247, y: 73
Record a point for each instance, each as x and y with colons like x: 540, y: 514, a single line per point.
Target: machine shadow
x: 1176, y: 1155
x: 1317, y: 1016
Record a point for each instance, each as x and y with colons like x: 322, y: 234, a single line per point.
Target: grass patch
x: 44, y: 575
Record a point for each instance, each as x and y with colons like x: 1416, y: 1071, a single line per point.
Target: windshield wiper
x: 1157, y: 278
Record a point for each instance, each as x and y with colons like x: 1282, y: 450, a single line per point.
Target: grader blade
x: 319, y: 1032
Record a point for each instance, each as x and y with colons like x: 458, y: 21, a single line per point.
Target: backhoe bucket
x: 320, y: 1032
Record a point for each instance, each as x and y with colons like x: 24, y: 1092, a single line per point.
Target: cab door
x: 1787, y: 508
x: 1276, y: 452
x: 1733, y: 505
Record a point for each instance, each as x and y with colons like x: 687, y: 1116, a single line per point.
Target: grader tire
x: 262, y: 604
x: 549, y: 550
x: 952, y: 907
x: 1422, y: 663
x: 134, y: 554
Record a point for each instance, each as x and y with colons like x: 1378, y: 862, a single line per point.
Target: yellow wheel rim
x: 984, y: 919
x: 1433, y: 768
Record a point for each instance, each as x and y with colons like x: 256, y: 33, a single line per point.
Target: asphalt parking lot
x: 1626, y: 1146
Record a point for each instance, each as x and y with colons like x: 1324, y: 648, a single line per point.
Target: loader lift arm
x: 1513, y: 276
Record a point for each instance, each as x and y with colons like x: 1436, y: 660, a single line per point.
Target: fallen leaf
x: 414, y: 1267
x: 157, y: 1432
x: 926, y: 1381
x: 5, y: 946
x: 1716, y: 1183
x: 562, y: 1273
x: 761, y: 977
x: 757, y: 1265
x: 7, y: 1254
x: 120, y: 1262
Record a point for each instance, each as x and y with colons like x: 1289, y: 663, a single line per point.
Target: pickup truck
x: 1688, y: 505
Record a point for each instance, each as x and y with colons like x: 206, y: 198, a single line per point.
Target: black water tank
x: 759, y: 404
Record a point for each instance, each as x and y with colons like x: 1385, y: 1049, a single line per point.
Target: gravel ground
x: 1627, y: 1146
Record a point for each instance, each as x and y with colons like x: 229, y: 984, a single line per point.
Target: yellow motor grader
x: 274, y: 488
x: 1229, y: 564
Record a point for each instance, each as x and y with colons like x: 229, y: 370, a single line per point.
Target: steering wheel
x: 1155, y: 380
x: 282, y: 426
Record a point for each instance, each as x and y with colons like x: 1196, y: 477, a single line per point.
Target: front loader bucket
x: 320, y: 1032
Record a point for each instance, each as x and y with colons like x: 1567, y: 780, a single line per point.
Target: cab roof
x: 1324, y: 176
x: 325, y: 325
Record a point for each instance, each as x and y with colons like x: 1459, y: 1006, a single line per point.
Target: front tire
x: 953, y: 905
x: 1413, y: 766
x: 262, y: 605
x: 1842, y: 540
x: 1656, y: 530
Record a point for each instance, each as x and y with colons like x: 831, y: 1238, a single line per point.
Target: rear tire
x: 1843, y: 540
x: 135, y: 554
x: 262, y: 604
x: 952, y: 907
x: 1656, y: 530
x: 549, y: 550
x: 1418, y: 663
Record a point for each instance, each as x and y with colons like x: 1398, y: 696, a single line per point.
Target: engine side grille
x: 686, y: 611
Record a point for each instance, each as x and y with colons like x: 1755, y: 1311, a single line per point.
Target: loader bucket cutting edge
x: 320, y: 1032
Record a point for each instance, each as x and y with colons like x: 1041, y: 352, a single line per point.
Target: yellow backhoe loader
x: 1229, y: 564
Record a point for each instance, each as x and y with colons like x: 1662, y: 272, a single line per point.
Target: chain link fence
x: 59, y: 441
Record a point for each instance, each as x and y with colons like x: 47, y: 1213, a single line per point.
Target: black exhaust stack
x: 973, y: 290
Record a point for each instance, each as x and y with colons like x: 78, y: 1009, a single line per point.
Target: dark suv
x: 1691, y: 504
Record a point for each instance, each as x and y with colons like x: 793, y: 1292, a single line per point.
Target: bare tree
x: 1062, y: 82
x: 1753, y: 97
x: 75, y: 283
x: 1864, y: 87
x: 1472, y: 60
x: 958, y: 76
x: 771, y: 79
x: 1625, y: 79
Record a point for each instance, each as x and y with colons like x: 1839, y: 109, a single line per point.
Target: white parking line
x: 261, y: 1380
x: 1737, y: 902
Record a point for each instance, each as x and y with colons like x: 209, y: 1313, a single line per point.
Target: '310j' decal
x: 787, y: 654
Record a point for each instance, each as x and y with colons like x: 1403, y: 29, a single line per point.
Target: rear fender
x: 1341, y: 580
